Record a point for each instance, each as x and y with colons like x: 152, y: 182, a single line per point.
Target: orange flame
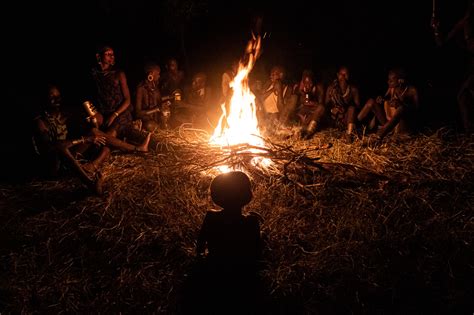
x: 240, y: 124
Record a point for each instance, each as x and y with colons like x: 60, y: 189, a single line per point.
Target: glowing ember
x: 238, y: 123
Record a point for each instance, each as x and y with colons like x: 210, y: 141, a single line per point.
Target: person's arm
x: 278, y: 87
x: 356, y: 96
x: 225, y: 85
x: 320, y: 93
x: 328, y: 100
x: 139, y: 102
x: 43, y: 134
x: 126, y: 94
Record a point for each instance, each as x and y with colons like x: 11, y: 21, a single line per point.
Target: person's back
x: 226, y: 279
x: 229, y: 236
x: 232, y: 239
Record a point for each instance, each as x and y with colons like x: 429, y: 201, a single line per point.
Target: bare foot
x: 144, y: 146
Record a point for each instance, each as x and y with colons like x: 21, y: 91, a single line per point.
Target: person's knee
x: 370, y: 104
x: 150, y: 125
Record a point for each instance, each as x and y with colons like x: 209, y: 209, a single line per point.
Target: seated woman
x: 149, y: 107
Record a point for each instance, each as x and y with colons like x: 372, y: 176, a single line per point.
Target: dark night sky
x: 59, y: 37
x: 55, y: 41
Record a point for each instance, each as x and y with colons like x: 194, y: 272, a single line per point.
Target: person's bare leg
x: 350, y: 118
x: 314, y: 119
x: 366, y: 110
x: 392, y: 123
x: 94, y: 165
x: 122, y: 145
x: 92, y: 183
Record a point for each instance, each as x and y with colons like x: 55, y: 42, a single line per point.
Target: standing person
x: 465, y: 28
x: 112, y: 95
x: 342, y: 101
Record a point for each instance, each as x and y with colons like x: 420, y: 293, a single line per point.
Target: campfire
x: 238, y: 125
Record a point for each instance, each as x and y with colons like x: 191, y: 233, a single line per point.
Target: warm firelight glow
x: 238, y: 123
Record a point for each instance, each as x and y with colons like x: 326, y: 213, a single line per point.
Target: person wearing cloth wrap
x: 112, y: 95
x: 53, y: 145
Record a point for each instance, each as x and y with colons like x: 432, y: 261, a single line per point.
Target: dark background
x: 54, y: 42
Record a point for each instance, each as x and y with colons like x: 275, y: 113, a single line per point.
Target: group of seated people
x: 113, y: 117
x: 312, y: 106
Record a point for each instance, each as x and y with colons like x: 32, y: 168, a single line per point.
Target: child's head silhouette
x: 231, y: 189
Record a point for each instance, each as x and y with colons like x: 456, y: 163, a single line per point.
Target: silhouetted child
x: 229, y: 236
x: 226, y: 280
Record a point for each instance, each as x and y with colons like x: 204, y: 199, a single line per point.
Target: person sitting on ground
x: 111, y: 93
x: 149, y: 107
x: 53, y: 145
x: 198, y: 100
x: 172, y: 79
x: 310, y: 100
x: 395, y: 109
x: 273, y: 98
x: 227, y: 77
x: 342, y: 101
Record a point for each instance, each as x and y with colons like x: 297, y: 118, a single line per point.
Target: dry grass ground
x: 353, y: 228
